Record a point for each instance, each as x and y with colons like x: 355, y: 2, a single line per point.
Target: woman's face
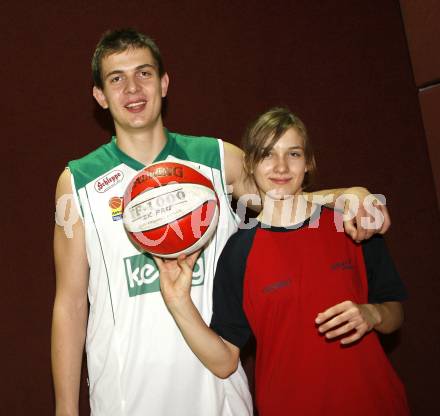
x: 280, y: 173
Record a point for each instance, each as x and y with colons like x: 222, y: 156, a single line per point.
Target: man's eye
x: 145, y: 74
x: 115, y: 79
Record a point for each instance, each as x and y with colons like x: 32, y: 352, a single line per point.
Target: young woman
x: 313, y: 298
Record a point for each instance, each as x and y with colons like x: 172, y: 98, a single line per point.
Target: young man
x: 138, y: 362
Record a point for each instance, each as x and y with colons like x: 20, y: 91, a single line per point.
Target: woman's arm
x: 218, y: 355
x: 348, y: 316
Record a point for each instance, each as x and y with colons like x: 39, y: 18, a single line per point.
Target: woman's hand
x: 346, y: 317
x: 176, y: 277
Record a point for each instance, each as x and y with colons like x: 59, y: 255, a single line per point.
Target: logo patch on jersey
x: 143, y: 277
x: 115, y: 205
x: 272, y: 287
x: 108, y: 181
x: 344, y: 265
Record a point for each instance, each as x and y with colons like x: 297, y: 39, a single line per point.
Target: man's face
x: 132, y: 89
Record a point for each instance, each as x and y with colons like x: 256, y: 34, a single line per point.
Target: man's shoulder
x: 190, y: 139
x: 94, y: 164
x: 199, y: 149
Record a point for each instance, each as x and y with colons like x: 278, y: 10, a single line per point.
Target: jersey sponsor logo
x: 115, y: 205
x: 143, y: 277
x: 109, y: 180
x: 272, y: 287
x: 344, y: 265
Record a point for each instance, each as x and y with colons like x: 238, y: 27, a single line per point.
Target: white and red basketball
x: 170, y: 209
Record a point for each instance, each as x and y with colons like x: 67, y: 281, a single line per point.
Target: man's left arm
x: 364, y: 213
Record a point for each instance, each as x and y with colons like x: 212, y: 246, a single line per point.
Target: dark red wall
x: 422, y: 28
x: 421, y: 20
x: 343, y: 66
x: 430, y: 106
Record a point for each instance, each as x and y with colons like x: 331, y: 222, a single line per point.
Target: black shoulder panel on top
x: 384, y: 282
x: 229, y: 319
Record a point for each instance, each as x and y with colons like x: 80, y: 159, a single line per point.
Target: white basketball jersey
x: 138, y: 362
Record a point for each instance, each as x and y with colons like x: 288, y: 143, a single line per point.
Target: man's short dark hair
x: 116, y: 41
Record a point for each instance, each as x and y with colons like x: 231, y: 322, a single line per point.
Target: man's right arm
x: 70, y: 310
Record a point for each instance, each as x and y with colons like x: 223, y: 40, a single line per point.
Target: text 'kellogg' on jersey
x: 143, y: 276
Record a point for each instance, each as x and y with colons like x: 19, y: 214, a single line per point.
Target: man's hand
x: 176, y: 277
x: 346, y: 317
x: 364, y: 213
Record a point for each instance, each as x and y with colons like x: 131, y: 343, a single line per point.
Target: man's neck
x: 143, y: 145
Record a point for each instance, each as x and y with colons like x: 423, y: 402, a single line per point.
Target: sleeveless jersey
x: 138, y: 362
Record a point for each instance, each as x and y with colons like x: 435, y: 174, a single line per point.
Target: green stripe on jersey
x: 203, y: 150
x: 94, y: 165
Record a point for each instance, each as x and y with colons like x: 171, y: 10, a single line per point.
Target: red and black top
x: 274, y: 281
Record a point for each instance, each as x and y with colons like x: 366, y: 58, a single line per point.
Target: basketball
x: 170, y: 209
